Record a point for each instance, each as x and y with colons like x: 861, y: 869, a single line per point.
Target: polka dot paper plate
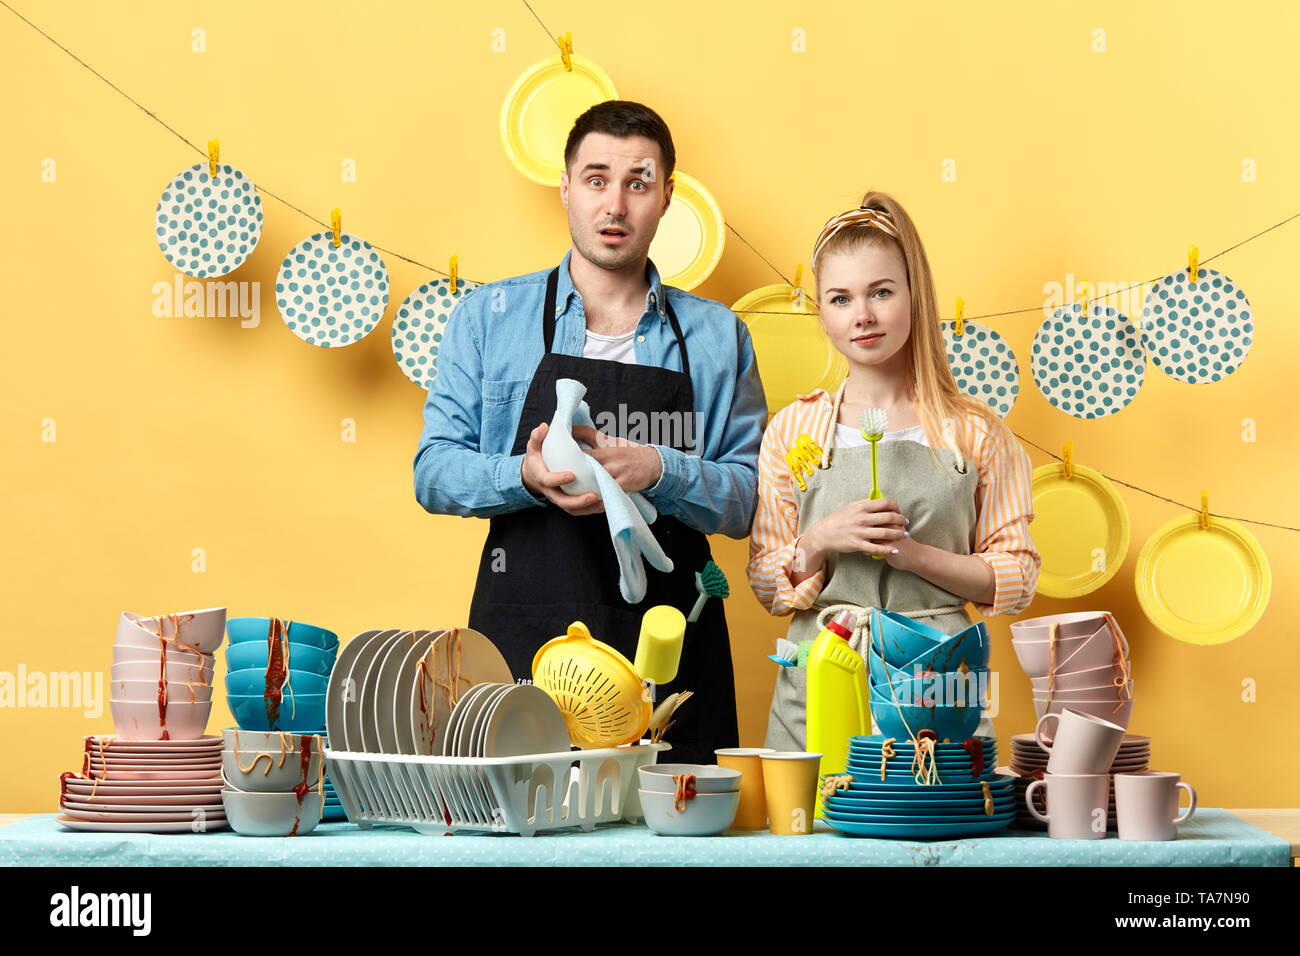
x: 418, y: 328
x: 331, y: 297
x: 1197, y: 334
x: 1088, y: 368
x: 207, y: 227
x: 983, y: 365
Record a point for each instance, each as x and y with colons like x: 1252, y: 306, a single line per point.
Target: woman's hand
x: 865, y: 527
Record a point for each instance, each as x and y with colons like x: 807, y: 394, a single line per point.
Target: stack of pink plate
x: 1029, y: 763
x: 145, y: 786
x: 1077, y: 661
x: 161, y: 682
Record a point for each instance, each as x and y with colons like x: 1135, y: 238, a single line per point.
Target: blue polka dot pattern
x: 1088, y: 368
x: 207, y: 227
x: 1197, y: 334
x: 418, y: 328
x: 331, y: 297
x: 983, y: 365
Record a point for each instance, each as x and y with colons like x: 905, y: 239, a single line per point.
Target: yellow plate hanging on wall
x: 1081, y: 528
x: 1203, y: 585
x: 794, y: 355
x: 691, y: 235
x: 539, y: 111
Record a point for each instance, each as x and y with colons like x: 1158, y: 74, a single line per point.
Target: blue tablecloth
x: 1210, y: 838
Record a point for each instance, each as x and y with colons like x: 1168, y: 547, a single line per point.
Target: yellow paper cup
x: 752, y: 813
x: 790, y: 785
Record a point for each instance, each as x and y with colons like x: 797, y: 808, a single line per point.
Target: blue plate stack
x: 924, y: 679
x: 309, y: 652
x: 900, y: 808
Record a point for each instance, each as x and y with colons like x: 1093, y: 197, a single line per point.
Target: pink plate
x: 148, y: 790
x: 71, y: 823
x: 99, y: 769
x: 186, y: 816
x: 83, y: 801
x: 159, y: 775
x: 69, y: 805
x: 113, y: 742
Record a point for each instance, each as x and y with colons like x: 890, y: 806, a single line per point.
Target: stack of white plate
x: 505, y: 720
x: 154, y: 786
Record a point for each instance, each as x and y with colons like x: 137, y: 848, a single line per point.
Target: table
x: 1211, y: 838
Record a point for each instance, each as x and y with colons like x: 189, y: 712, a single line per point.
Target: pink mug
x: 1146, y: 805
x: 1077, y: 805
x: 1083, y: 743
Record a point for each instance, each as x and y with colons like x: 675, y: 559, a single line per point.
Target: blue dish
x: 973, y: 645
x: 920, y: 831
x: 956, y: 723
x: 876, y: 740
x: 882, y: 808
x: 241, y: 629
x: 302, y: 657
x: 253, y: 681
x: 301, y: 715
x: 899, y: 639
x: 904, y: 820
x: 936, y: 689
x: 1001, y: 783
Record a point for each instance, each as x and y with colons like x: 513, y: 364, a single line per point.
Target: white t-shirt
x: 846, y: 436
x: 612, y: 348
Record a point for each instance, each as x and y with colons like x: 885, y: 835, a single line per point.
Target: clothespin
x: 566, y: 51
x: 336, y: 223
x: 214, y: 156
x: 1205, y: 511
x: 801, y: 457
x: 798, y: 297
x: 1083, y: 300
x: 961, y: 316
x: 1069, y: 459
x: 453, y: 275
x: 1192, y: 275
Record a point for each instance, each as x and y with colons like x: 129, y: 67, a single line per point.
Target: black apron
x: 559, y: 568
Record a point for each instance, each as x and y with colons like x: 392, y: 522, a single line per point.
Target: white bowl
x: 706, y: 814
x: 708, y: 778
x: 177, y: 673
x: 147, y: 690
x: 254, y: 741
x: 1067, y: 679
x: 201, y: 630
x: 1104, y: 692
x: 267, y: 773
x: 138, y: 719
x: 271, y: 814
x: 129, y: 653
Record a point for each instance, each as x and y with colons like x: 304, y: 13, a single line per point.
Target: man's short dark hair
x: 622, y: 118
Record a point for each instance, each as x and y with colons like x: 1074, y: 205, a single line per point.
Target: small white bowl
x: 706, y: 814
x: 177, y: 673
x: 254, y: 741
x: 138, y: 719
x: 147, y: 690
x: 202, y: 630
x: 127, y: 653
x: 267, y: 773
x: 708, y: 778
x: 271, y: 814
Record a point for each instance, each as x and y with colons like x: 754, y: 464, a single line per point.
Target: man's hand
x: 540, y: 480
x: 635, y: 467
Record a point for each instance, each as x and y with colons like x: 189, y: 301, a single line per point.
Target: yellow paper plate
x: 794, y: 355
x: 1203, y: 586
x: 539, y: 111
x: 691, y: 235
x: 1081, y: 529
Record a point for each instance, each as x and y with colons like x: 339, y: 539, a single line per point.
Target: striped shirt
x: 1003, y: 504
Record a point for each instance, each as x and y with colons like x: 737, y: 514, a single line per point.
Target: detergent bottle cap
x: 843, y: 624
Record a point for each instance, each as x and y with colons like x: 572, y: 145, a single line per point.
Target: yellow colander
x: 597, y: 689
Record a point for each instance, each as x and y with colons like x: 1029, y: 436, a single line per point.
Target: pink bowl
x: 147, y: 690
x: 1107, y: 692
x: 1036, y: 656
x: 201, y: 630
x: 1070, y: 679
x: 148, y: 670
x: 1075, y: 624
x: 128, y: 653
x: 138, y: 720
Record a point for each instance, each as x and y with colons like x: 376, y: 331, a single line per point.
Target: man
x: 647, y: 353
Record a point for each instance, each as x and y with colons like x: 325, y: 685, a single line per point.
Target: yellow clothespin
x: 566, y: 51
x: 1069, y: 459
x: 336, y: 223
x: 1205, y: 511
x: 1193, y: 255
x: 801, y: 457
x: 798, y: 297
x: 214, y: 156
x: 961, y: 316
x: 454, y: 265
x: 1083, y: 300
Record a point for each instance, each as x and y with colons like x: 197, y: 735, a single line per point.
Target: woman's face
x: 865, y: 303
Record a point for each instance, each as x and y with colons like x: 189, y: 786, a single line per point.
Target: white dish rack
x: 580, y: 788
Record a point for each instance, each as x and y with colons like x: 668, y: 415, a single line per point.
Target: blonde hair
x: 928, y: 359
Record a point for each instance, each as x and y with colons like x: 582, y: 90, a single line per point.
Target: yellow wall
x: 183, y: 433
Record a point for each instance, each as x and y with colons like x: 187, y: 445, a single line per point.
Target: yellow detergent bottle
x: 838, y: 706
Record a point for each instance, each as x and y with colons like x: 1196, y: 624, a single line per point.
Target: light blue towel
x: 629, y: 515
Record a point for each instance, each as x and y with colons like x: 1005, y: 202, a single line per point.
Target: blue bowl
x: 253, y: 681
x: 903, y: 638
x: 936, y: 690
x: 302, y: 657
x: 955, y: 723
x: 971, y: 644
x: 304, y: 715
x: 873, y: 742
x: 241, y: 629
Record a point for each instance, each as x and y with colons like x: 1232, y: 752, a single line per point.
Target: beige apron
x: 939, y: 500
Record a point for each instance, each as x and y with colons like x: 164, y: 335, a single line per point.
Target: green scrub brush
x: 710, y: 582
x: 873, y: 424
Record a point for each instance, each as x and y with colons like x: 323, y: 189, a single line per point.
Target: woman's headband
x: 861, y: 216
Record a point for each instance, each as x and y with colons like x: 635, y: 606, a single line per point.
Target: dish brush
x: 710, y: 582
x: 873, y: 424
x: 787, y: 653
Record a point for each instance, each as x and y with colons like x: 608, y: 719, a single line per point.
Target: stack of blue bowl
x: 951, y: 805
x: 924, y: 679
x: 311, y: 654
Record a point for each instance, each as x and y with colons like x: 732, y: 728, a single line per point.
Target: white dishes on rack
x: 506, y: 720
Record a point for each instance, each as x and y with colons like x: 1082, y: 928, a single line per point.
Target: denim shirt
x: 490, y: 349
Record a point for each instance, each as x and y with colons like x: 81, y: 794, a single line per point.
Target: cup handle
x: 1029, y: 798
x: 1187, y: 814
x: 1038, y: 734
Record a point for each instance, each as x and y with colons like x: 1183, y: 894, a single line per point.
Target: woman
x: 953, y: 525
